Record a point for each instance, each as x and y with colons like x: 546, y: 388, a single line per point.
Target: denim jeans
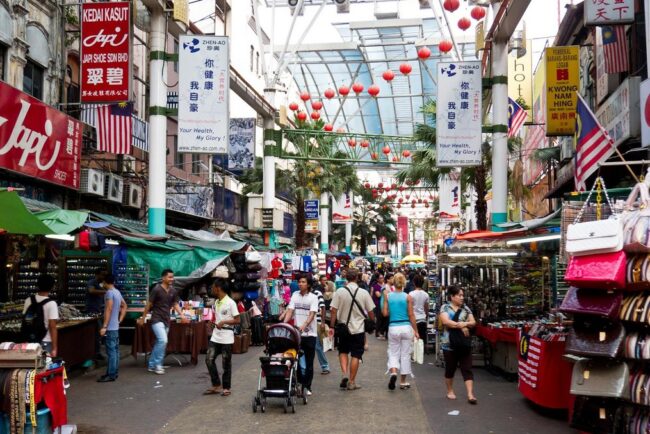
x: 322, y: 358
x: 112, y: 342
x: 214, y: 349
x: 160, y: 330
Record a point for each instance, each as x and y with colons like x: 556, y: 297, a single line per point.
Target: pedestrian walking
x: 225, y: 318
x: 420, y: 306
x: 320, y: 320
x: 114, y: 313
x: 162, y: 299
x: 347, y: 310
x: 377, y: 290
x: 397, y: 306
x: 40, y: 315
x: 457, y: 320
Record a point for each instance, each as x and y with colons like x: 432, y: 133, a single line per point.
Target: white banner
x: 203, y: 84
x: 458, y: 131
x: 608, y: 12
x: 342, y: 209
x: 449, y: 197
x: 645, y: 113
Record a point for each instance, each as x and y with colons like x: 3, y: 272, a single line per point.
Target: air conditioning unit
x: 114, y: 188
x: 128, y: 164
x: 132, y: 196
x: 92, y: 182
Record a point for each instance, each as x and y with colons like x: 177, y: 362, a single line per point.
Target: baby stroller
x: 280, y: 368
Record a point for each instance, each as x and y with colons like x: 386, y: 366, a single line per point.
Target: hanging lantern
x: 393, y: 186
x: 380, y: 185
x: 385, y: 207
x: 406, y: 153
x: 316, y: 105
x: 478, y: 13
x: 364, y: 143
x: 305, y: 96
x: 408, y: 196
x: 388, y: 75
x: 386, y: 150
x: 293, y: 106
x: 374, y: 156
x: 367, y: 185
x: 344, y: 90
x: 315, y: 115
x: 357, y: 88
x: 328, y: 127
x: 464, y: 23
x: 451, y: 5
x: 352, y: 144
x: 419, y: 200
x: 412, y: 205
x: 373, y: 90
x: 401, y: 188
x: 445, y: 46
x: 426, y: 205
x: 374, y: 191
x: 424, y: 53
x: 405, y: 68
x: 400, y: 200
x: 399, y: 206
x: 302, y: 116
x: 329, y: 93
x: 395, y: 159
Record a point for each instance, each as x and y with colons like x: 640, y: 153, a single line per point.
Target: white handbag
x: 636, y: 220
x: 600, y: 236
x: 253, y: 257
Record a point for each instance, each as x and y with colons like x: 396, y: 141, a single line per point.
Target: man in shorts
x: 344, y: 311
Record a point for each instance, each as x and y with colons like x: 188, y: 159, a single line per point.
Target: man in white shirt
x: 304, y: 304
x: 226, y: 316
x: 45, y: 284
x: 420, y: 306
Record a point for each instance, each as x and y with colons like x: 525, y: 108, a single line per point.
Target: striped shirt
x: 321, y: 303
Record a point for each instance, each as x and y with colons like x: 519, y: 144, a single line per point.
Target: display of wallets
x: 637, y: 346
x: 640, y: 387
x: 636, y: 308
x: 637, y: 272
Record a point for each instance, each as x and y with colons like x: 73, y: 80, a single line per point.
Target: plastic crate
x: 43, y: 422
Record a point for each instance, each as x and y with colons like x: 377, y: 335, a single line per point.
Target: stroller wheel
x: 254, y: 404
x: 263, y: 405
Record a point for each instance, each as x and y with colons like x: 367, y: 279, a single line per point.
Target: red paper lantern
x: 478, y: 13
x: 373, y: 90
x: 399, y: 206
x: 302, y: 116
x: 419, y: 200
x: 374, y: 191
x: 464, y: 23
x: 393, y: 186
x: 344, y: 90
x: 405, y: 68
x: 388, y: 75
x: 408, y: 196
x: 402, y: 188
x: 400, y: 200
x: 293, y: 106
x: 380, y: 185
x: 315, y: 116
x: 426, y: 205
x: 316, y: 105
x: 386, y: 150
x: 329, y: 93
x: 451, y: 5
x: 395, y: 159
x: 357, y: 88
x: 328, y: 127
x: 412, y: 205
x: 445, y: 46
x: 305, y: 96
x: 367, y: 185
x: 385, y: 206
x: 352, y: 144
x: 364, y: 143
x: 374, y: 156
x: 424, y: 53
x: 406, y: 153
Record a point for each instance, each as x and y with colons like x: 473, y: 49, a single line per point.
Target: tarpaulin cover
x: 62, y: 221
x: 16, y: 219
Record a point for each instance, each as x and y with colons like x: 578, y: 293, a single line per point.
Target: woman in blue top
x: 397, y: 306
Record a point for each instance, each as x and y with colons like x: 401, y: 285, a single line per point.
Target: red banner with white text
x: 402, y: 229
x: 38, y: 141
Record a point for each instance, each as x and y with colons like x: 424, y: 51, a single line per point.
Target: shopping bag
x: 328, y: 344
x: 418, y: 351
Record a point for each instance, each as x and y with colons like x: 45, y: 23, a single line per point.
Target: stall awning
x: 15, y: 218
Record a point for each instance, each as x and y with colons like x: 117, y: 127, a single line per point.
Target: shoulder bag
x: 604, y: 270
x: 591, y: 337
x: 368, y: 324
x: 603, y: 378
x: 636, y: 220
x: 458, y: 342
x: 592, y: 302
x: 341, y: 329
x: 597, y: 415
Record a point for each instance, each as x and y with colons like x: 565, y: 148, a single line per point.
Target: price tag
x: 602, y: 414
x: 585, y: 375
x: 602, y: 336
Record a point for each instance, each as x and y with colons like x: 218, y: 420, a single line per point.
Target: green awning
x: 15, y: 218
x: 62, y: 221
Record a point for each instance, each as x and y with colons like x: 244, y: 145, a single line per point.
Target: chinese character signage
x: 458, y: 130
x: 402, y: 229
x: 562, y: 81
x: 607, y: 12
x: 449, y: 197
x: 241, y: 145
x: 37, y: 140
x: 203, y: 83
x: 520, y: 79
x: 105, y: 52
x: 619, y: 115
x: 342, y: 209
x: 645, y: 113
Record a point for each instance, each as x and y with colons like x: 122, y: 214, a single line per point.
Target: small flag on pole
x: 114, y: 126
x: 516, y: 117
x: 615, y: 49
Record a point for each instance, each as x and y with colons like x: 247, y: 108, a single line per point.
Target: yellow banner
x: 182, y: 11
x: 479, y: 38
x: 562, y: 82
x: 520, y: 79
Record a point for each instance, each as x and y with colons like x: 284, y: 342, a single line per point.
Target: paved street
x: 140, y: 402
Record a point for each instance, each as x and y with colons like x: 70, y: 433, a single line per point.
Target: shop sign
x: 458, y: 132
x: 203, y: 87
x: 645, y: 113
x: 311, y: 226
x: 620, y: 114
x: 602, y: 77
x: 105, y: 52
x: 342, y: 209
x: 38, y: 141
x: 562, y: 81
x: 311, y: 209
x: 402, y: 229
x: 608, y: 12
x: 449, y: 198
x: 520, y: 79
x: 267, y: 218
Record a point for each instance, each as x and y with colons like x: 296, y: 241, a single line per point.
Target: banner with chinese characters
x: 608, y: 12
x: 402, y: 229
x: 241, y: 145
x: 520, y: 79
x: 37, y: 140
x: 562, y: 81
x: 203, y: 84
x: 105, y: 52
x: 342, y: 209
x: 449, y: 197
x: 458, y: 131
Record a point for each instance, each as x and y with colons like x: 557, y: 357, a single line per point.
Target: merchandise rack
x: 25, y: 279
x: 76, y: 271
x: 133, y: 283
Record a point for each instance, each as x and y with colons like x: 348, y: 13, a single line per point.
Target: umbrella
x: 412, y: 258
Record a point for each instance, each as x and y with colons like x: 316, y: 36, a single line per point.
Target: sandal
x: 213, y: 390
x: 451, y: 396
x: 344, y: 383
x: 472, y: 401
x: 405, y: 386
x: 392, y: 381
x: 225, y: 392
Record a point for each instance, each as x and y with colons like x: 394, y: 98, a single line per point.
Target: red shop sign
x: 402, y: 229
x: 38, y: 141
x: 105, y: 52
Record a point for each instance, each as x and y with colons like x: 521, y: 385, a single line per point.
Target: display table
x: 77, y: 341
x: 503, y: 352
x: 183, y: 338
x: 494, y: 335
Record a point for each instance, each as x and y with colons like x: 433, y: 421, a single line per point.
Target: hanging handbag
x: 591, y: 337
x: 637, y: 272
x: 605, y: 271
x: 637, y: 346
x: 587, y: 301
x: 600, y: 236
x: 640, y: 387
x: 597, y: 415
x: 636, y: 220
x: 636, y: 309
x: 603, y: 378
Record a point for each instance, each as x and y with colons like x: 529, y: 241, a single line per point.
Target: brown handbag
x: 592, y: 302
x: 595, y: 338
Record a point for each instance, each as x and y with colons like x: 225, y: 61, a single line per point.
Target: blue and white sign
x: 203, y: 86
x: 311, y: 209
x: 458, y: 128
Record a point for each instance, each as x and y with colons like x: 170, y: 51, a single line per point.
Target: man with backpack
x: 40, y: 315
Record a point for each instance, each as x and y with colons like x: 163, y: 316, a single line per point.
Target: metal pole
x: 286, y: 43
x: 157, y: 127
x: 348, y: 237
x: 324, y: 222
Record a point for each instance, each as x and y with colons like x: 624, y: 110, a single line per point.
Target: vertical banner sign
x: 241, y: 144
x: 536, y: 134
x: 311, y: 215
x: 38, y: 141
x: 520, y: 79
x: 602, y: 78
x: 645, y: 113
x: 562, y: 81
x: 449, y: 197
x: 105, y: 52
x: 608, y: 12
x: 203, y: 84
x: 402, y: 229
x: 342, y: 209
x: 619, y: 114
x: 458, y: 130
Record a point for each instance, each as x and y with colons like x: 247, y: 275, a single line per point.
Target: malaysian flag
x: 593, y: 144
x: 114, y: 126
x: 516, y: 117
x: 615, y: 49
x: 530, y: 351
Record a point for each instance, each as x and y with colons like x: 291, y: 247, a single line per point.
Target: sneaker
x: 344, y: 383
x: 308, y: 392
x: 391, y: 383
x: 151, y: 369
x: 159, y: 371
x: 105, y: 379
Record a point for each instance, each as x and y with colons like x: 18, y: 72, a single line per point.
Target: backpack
x: 33, y: 327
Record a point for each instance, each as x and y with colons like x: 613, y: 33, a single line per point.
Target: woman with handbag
x: 397, y: 306
x: 457, y: 320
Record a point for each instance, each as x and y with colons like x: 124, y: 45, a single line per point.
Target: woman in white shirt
x: 420, y: 306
